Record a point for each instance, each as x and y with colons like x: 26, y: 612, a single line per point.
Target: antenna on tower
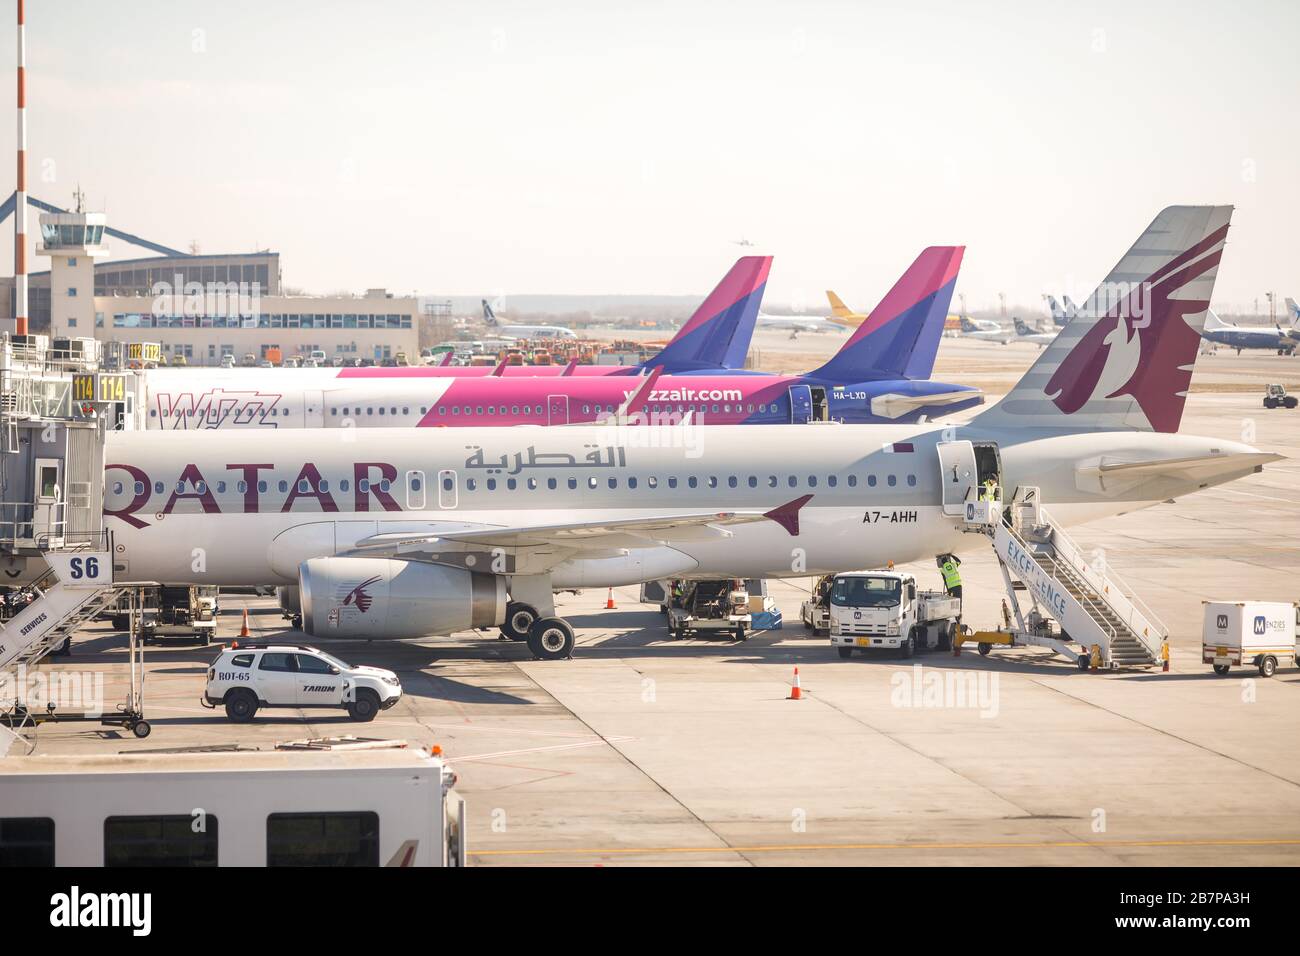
x: 78, y: 199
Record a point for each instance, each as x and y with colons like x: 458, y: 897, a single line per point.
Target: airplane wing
x: 598, y: 535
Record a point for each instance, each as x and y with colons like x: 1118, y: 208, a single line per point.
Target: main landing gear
x: 519, y: 621
x: 551, y: 639
x: 530, y: 617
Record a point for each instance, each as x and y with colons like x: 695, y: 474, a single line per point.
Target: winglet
x: 642, y: 395
x: 787, y: 515
x: 568, y: 369
x: 499, y: 370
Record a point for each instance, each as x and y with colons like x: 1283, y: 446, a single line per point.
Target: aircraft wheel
x: 519, y: 621
x: 551, y: 639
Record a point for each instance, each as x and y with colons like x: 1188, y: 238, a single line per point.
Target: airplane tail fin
x: 1071, y: 309
x: 1212, y: 321
x: 717, y: 335
x: 968, y: 326
x: 1125, y: 361
x: 838, y: 309
x: 1294, y: 311
x: 1059, y: 315
x: 489, y: 316
x: 1021, y: 327
x: 900, y: 338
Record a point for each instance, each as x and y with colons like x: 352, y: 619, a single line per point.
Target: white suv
x: 249, y: 676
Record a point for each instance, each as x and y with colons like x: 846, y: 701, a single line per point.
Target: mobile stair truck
x: 1261, y: 633
x: 876, y: 610
x: 1079, y: 608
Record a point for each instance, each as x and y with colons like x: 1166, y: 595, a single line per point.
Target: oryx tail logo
x: 1142, y: 345
x: 360, y: 597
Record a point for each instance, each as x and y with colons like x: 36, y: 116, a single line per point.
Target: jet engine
x: 388, y: 598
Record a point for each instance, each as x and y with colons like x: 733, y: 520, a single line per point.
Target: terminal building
x: 199, y: 307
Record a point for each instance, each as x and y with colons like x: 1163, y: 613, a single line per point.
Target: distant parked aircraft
x: 524, y: 331
x: 1235, y: 337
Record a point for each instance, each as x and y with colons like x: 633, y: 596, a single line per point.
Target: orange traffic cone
x: 243, y: 630
x: 609, y: 601
x: 796, y: 692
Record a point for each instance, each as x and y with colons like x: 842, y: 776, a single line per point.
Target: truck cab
x: 877, y: 610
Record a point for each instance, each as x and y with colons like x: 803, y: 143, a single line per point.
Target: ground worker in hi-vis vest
x: 989, y: 490
x: 948, y: 565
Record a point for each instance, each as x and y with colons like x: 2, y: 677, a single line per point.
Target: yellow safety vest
x: 951, y: 576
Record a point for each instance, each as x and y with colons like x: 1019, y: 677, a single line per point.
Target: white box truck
x: 878, y: 610
x: 1261, y: 633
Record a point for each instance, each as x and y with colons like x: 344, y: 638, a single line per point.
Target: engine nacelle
x: 388, y: 598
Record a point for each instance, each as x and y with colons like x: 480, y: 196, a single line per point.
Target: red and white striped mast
x: 20, y: 195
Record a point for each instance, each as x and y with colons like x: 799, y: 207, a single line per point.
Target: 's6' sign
x: 84, y: 568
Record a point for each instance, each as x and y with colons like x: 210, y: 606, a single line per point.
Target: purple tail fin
x: 900, y: 338
x: 717, y: 335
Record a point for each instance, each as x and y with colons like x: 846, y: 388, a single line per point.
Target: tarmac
x: 643, y: 750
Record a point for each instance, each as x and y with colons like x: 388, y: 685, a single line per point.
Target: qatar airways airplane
x: 879, y: 375
x: 402, y: 534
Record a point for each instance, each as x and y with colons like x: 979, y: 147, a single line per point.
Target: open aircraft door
x: 801, y: 404
x: 960, y: 476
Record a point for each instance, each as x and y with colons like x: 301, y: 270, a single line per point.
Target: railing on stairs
x: 1112, y: 591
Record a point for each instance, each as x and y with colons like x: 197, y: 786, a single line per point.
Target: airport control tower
x: 72, y: 240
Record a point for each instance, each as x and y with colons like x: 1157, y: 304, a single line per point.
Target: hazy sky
x: 616, y: 147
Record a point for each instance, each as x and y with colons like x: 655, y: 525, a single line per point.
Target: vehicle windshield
x: 866, y: 592
x: 334, y: 660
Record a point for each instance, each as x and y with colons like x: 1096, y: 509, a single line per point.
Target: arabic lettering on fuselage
x: 597, y: 456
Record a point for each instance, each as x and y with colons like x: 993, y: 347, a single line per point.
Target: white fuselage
x: 798, y: 323
x: 534, y: 331
x: 248, y: 507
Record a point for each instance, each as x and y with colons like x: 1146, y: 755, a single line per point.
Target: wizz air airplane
x: 403, y: 534
x: 880, y: 374
x: 523, y: 331
x: 1277, y: 339
x: 715, y: 339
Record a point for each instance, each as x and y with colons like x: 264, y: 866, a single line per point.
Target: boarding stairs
x: 1089, y: 603
x: 76, y: 587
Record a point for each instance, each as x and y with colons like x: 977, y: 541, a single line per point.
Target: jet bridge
x: 1074, y: 601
